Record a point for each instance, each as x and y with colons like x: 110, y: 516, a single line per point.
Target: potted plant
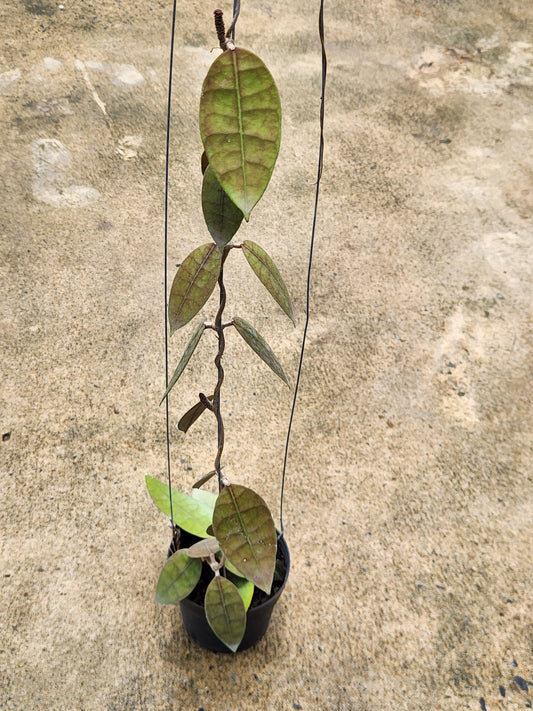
x: 227, y: 565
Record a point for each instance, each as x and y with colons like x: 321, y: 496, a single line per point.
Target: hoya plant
x: 235, y: 536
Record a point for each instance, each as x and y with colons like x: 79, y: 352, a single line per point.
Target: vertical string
x: 236, y: 11
x: 167, y: 160
x: 310, y: 262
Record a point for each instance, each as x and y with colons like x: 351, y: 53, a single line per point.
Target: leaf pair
x: 225, y: 607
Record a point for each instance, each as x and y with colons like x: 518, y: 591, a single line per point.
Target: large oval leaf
x: 259, y: 345
x: 178, y: 578
x: 244, y: 527
x: 268, y: 274
x: 189, y: 514
x: 193, y: 284
x: 225, y: 611
x: 221, y: 215
x: 240, y: 125
x: 187, y: 353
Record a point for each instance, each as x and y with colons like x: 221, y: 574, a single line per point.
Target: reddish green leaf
x: 221, y: 215
x: 240, y: 125
x: 244, y: 527
x: 193, y: 284
x: 268, y: 275
x: 225, y: 611
x: 259, y: 345
x: 178, y: 578
x: 187, y: 353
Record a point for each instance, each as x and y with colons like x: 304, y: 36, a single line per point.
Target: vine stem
x: 219, y: 327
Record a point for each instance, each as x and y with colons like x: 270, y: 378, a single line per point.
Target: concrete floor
x: 408, y: 502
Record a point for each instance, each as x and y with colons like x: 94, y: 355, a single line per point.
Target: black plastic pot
x: 257, y: 618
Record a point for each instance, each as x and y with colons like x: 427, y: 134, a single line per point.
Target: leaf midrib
x: 239, y: 118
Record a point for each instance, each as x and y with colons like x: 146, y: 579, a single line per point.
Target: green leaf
x: 189, y: 514
x: 187, y: 353
x: 178, y: 578
x: 193, y: 284
x: 221, y: 215
x: 225, y: 611
x: 268, y: 275
x: 205, y: 497
x: 240, y: 125
x: 245, y: 587
x: 260, y: 346
x: 244, y: 527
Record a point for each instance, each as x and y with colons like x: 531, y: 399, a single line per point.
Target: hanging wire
x: 311, y: 248
x: 167, y: 160
x: 236, y: 11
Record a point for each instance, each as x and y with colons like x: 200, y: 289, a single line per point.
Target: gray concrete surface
x: 408, y: 507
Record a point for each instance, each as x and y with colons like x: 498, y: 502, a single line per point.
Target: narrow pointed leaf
x: 268, y: 275
x: 260, y: 346
x: 189, y: 514
x: 204, y: 548
x: 240, y: 125
x: 221, y: 215
x: 187, y: 353
x: 244, y: 527
x: 225, y: 611
x: 190, y: 417
x: 245, y: 587
x: 178, y: 578
x: 193, y: 284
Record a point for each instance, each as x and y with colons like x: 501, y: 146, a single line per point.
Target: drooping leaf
x: 193, y: 284
x: 204, y: 548
x: 244, y: 527
x: 268, y: 275
x: 178, y: 578
x: 240, y: 125
x: 245, y: 587
x: 221, y: 215
x: 190, y: 417
x: 224, y: 609
x: 259, y: 345
x: 189, y: 514
x: 187, y: 353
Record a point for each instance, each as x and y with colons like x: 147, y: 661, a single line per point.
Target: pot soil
x: 259, y: 612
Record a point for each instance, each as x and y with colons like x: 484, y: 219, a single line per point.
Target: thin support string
x: 167, y: 160
x: 311, y: 248
x: 236, y: 11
